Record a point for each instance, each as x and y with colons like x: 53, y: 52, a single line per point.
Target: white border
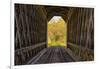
x: 71, y: 3
x: 12, y: 36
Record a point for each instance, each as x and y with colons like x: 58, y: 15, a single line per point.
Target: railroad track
x: 53, y: 54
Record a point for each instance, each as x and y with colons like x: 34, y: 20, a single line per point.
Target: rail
x: 30, y: 47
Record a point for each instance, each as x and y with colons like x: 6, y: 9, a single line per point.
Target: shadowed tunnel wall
x: 30, y: 32
x: 81, y: 32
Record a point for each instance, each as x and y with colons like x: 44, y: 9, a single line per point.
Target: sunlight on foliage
x: 56, y: 32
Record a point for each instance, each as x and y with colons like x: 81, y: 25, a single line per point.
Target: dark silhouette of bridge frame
x: 31, y: 34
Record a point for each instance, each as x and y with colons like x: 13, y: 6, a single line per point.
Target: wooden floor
x: 53, y: 54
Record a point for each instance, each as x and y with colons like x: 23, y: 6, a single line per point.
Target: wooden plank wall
x: 81, y: 32
x: 30, y: 30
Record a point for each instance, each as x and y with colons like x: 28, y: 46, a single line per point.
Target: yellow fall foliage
x: 57, y: 33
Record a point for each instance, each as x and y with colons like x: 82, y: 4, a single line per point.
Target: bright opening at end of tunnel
x: 57, y: 32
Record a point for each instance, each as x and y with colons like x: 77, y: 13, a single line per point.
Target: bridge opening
x: 57, y: 32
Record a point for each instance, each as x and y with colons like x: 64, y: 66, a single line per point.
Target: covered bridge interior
x: 31, y: 34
